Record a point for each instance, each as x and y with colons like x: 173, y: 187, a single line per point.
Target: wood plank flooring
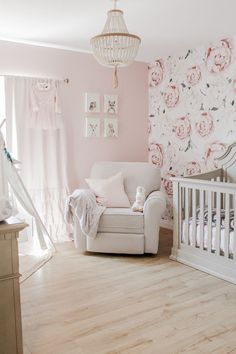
x: 109, y: 304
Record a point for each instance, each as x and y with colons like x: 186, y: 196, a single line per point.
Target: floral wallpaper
x: 192, y: 111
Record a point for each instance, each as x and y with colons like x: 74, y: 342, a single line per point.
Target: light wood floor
x: 104, y: 304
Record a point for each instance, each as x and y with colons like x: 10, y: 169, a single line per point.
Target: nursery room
x: 117, y: 177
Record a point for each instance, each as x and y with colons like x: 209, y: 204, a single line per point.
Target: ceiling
x: 165, y: 26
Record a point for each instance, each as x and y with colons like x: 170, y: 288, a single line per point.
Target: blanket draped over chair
x: 82, y: 203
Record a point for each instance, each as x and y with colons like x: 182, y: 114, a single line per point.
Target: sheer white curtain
x: 42, y: 155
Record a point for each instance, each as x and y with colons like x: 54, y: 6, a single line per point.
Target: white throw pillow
x: 110, y: 191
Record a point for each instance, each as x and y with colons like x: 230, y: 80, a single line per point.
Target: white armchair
x: 120, y: 229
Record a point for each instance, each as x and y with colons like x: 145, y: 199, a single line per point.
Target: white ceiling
x: 165, y: 26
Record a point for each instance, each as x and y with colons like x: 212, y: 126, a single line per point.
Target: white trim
x: 44, y: 44
x: 54, y: 46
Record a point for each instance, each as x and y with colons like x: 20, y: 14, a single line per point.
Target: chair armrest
x: 153, y: 209
x: 156, y: 197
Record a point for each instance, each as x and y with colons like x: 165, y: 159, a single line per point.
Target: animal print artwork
x: 111, y: 107
x: 111, y: 104
x: 192, y: 111
x: 92, y: 127
x: 110, y: 128
x: 92, y: 103
x: 92, y: 106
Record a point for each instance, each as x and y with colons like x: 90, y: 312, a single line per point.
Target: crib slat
x: 194, y: 201
x: 186, y: 206
x: 201, y: 216
x: 226, y: 241
x: 209, y: 223
x: 218, y: 222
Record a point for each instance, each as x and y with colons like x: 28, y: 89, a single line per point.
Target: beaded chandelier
x: 115, y: 46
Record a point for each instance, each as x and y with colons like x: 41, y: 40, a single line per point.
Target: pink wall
x: 86, y: 75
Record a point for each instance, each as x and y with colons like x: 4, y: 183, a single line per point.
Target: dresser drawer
x: 8, y: 336
x: 8, y: 248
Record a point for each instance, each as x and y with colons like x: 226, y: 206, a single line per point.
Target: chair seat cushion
x: 121, y: 220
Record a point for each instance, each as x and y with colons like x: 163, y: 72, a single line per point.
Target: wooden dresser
x: 10, y: 311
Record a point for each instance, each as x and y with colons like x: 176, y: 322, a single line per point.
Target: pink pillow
x: 110, y: 191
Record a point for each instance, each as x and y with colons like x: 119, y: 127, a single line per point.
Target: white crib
x: 204, y: 208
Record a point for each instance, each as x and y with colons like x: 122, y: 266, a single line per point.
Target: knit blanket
x: 82, y: 204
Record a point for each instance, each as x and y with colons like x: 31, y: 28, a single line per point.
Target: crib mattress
x: 205, y: 237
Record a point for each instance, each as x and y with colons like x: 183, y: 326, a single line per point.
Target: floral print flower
x: 167, y: 183
x: 156, y: 154
x: 213, y: 151
x: 182, y: 128
x: 204, y: 125
x: 193, y: 75
x: 193, y: 168
x: 218, y: 56
x: 156, y: 73
x: 171, y: 96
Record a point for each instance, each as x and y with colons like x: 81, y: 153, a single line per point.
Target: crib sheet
x: 205, y: 237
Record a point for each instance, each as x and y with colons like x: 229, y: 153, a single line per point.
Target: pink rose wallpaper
x: 192, y: 111
x: 192, y: 168
x: 171, y: 96
x: 193, y: 75
x: 182, y: 128
x: 219, y: 56
x: 156, y: 73
x: 215, y: 150
x: 204, y: 125
x: 156, y: 154
x: 168, y: 186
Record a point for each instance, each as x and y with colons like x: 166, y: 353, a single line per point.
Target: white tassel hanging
x: 115, y: 78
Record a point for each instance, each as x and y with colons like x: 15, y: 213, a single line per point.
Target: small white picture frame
x: 110, y: 128
x: 92, y: 129
x: 111, y: 104
x: 92, y: 103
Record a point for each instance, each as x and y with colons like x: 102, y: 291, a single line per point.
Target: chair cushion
x: 121, y: 220
x: 110, y: 191
x: 135, y: 174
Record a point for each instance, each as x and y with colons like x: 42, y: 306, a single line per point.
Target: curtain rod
x: 66, y: 80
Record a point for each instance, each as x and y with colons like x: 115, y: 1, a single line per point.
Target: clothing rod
x: 66, y: 80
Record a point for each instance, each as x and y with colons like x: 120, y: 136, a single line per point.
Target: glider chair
x: 121, y: 230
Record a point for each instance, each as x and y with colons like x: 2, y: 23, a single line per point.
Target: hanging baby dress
x: 44, y: 104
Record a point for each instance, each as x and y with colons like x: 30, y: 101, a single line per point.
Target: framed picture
x: 92, y: 127
x: 92, y: 102
x: 110, y: 104
x: 110, y: 128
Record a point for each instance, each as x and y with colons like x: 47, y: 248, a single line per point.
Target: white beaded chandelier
x: 115, y: 46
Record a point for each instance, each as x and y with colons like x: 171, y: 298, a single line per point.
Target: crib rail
x: 217, y: 174
x: 204, y: 209
x: 200, y: 240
